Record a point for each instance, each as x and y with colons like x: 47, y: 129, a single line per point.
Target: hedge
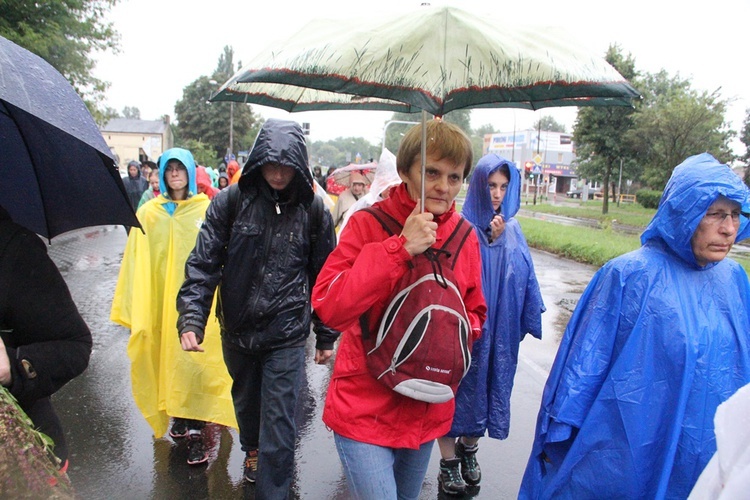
x: 647, y: 198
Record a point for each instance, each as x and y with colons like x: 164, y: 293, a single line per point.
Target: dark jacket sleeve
x: 47, y: 340
x: 326, y: 242
x: 204, y: 266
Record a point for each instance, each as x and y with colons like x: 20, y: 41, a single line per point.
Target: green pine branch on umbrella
x: 28, y: 469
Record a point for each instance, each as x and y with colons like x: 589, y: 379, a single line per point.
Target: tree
x: 674, y: 122
x: 395, y: 131
x: 107, y: 114
x: 209, y: 122
x: 745, y: 138
x: 549, y: 124
x: 65, y: 33
x: 343, y: 150
x: 599, y: 132
x: 203, y: 153
x: 131, y: 112
x: 477, y: 140
x: 460, y: 117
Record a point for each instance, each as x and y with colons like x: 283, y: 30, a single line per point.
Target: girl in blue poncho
x: 514, y: 308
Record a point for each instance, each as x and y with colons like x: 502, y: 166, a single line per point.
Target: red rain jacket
x: 359, y: 274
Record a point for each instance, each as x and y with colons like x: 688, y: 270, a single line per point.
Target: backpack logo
x: 421, y: 348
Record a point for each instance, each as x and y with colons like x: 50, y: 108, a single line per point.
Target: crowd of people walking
x: 420, y: 308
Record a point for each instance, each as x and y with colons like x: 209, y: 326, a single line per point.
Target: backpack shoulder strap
x: 390, y: 225
x: 234, y: 202
x: 316, y: 218
x: 456, y: 240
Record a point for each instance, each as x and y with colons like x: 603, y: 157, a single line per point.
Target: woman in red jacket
x: 384, y: 438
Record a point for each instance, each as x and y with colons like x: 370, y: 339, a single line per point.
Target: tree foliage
x: 342, y: 151
x: 203, y: 153
x: 477, y: 140
x: 599, y: 132
x: 131, y: 112
x: 549, y: 124
x: 395, y: 131
x: 209, y: 122
x: 674, y: 122
x: 65, y: 33
x: 745, y: 138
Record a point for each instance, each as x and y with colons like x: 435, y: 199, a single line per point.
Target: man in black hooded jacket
x: 257, y: 246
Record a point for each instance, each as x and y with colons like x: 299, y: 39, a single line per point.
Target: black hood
x: 282, y: 142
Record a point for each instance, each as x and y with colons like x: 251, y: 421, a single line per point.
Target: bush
x: 647, y: 198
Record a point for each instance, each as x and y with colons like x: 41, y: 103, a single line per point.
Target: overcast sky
x: 166, y: 45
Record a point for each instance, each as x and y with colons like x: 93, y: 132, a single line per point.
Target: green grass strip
x: 631, y: 214
x: 583, y: 244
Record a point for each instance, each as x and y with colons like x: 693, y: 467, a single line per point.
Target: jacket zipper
x: 266, y: 252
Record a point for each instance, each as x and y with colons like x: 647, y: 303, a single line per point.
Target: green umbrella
x: 434, y: 59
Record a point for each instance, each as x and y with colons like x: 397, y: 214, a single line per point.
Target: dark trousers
x: 265, y: 388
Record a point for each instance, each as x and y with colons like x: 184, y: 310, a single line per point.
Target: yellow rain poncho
x: 167, y: 381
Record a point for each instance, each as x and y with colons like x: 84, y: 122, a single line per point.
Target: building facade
x: 545, y: 158
x: 141, y: 140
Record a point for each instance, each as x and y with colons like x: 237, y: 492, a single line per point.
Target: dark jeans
x: 265, y: 388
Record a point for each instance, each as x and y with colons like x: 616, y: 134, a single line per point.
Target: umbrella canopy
x: 364, y: 172
x: 435, y: 59
x: 58, y: 173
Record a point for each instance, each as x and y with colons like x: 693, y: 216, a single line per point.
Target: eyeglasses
x: 174, y: 168
x: 718, y: 218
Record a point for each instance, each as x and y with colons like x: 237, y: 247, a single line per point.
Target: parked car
x: 578, y: 192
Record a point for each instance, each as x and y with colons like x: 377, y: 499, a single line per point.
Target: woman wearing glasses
x: 659, y: 339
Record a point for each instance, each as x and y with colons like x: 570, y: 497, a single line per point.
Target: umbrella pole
x: 424, y: 155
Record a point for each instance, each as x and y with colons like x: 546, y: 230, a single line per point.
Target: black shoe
x: 179, y: 428
x: 470, y: 470
x: 449, y: 477
x: 251, y: 466
x: 196, y: 451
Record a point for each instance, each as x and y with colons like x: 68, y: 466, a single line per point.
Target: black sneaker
x: 470, y: 470
x: 449, y: 477
x: 196, y: 451
x: 179, y: 428
x: 251, y: 466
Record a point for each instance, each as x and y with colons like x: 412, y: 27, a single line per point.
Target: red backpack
x: 420, y: 347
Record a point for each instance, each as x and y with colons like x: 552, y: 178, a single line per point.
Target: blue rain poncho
x: 514, y: 308
x: 655, y: 344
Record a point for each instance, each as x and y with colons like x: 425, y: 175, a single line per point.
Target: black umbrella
x: 57, y: 172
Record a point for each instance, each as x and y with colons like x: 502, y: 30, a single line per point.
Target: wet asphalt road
x: 114, y: 455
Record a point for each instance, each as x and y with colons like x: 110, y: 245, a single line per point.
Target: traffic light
x: 306, y: 128
x: 527, y: 168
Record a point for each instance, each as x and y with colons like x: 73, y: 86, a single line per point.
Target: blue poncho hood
x: 695, y: 184
x: 478, y: 209
x: 655, y: 344
x: 184, y: 156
